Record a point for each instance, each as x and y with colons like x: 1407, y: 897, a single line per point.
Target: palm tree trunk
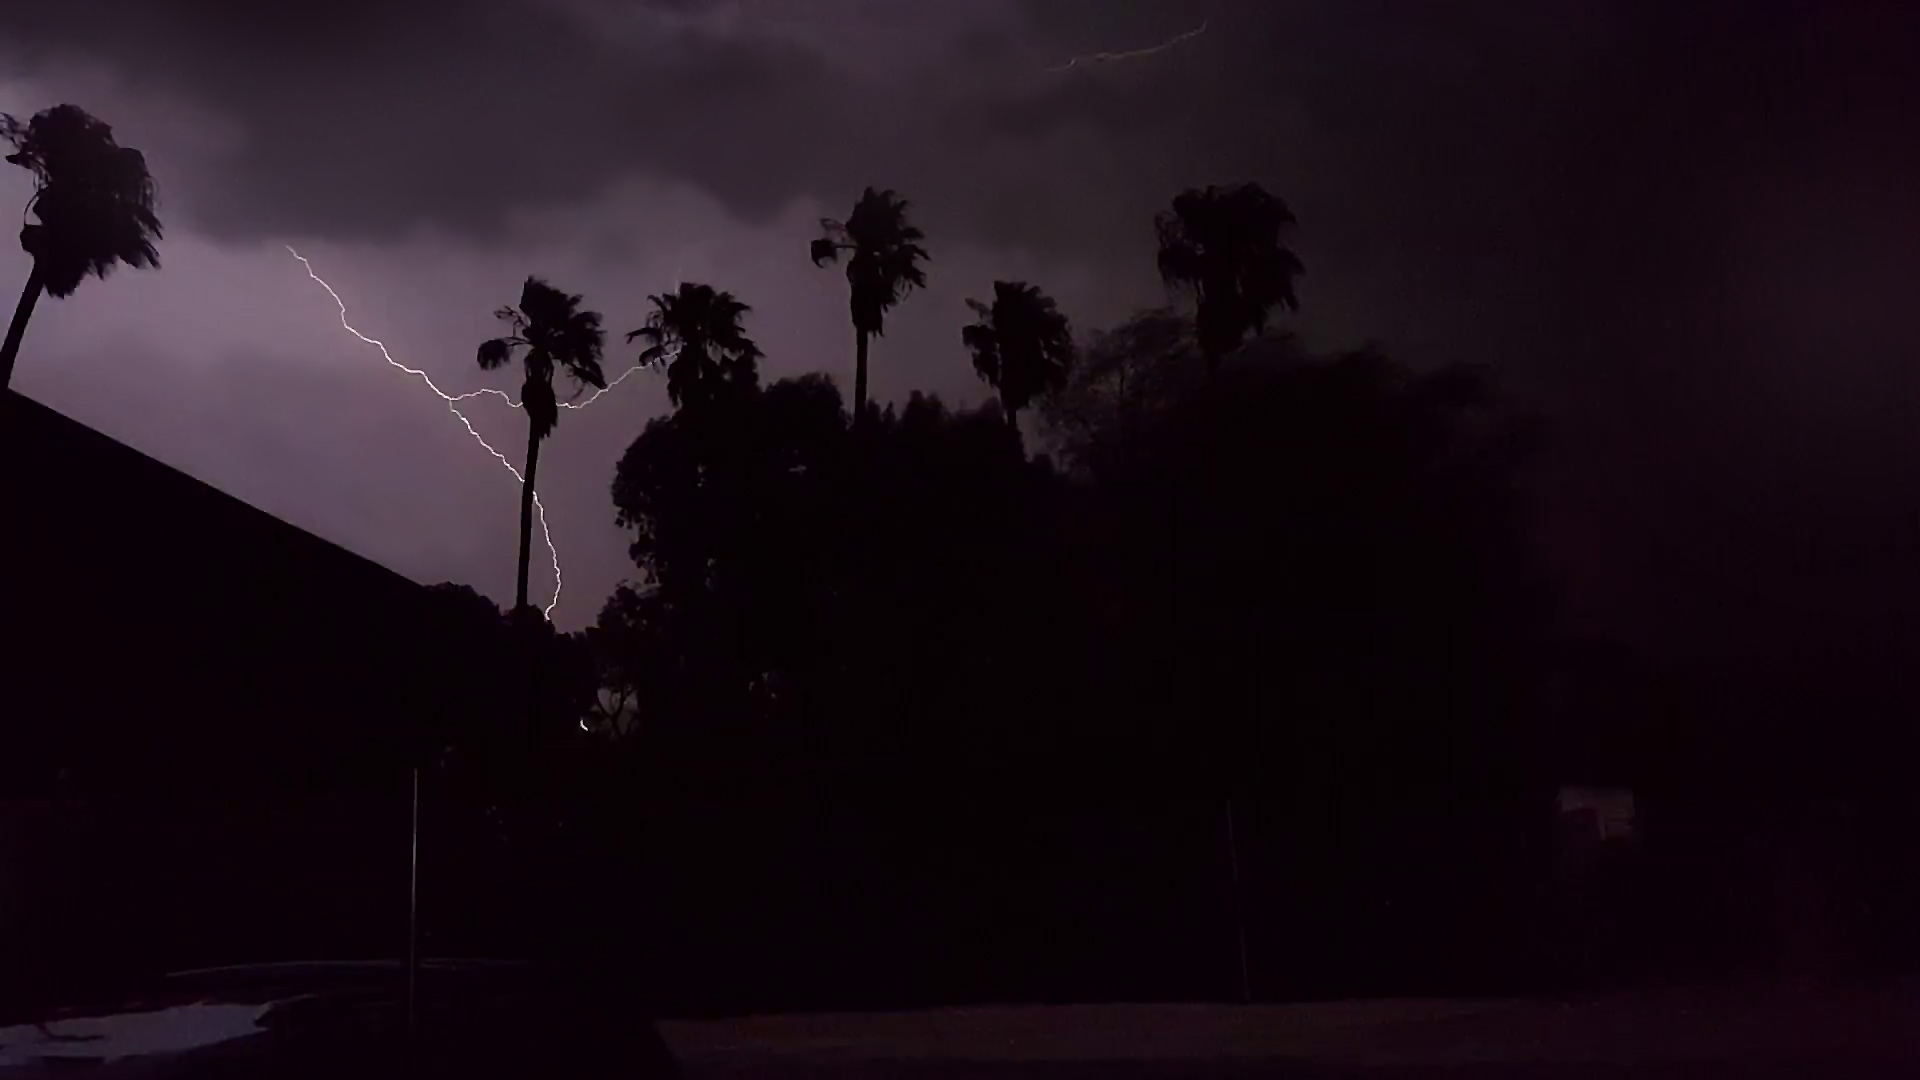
x: 23, y: 311
x: 526, y: 517
x: 859, y: 377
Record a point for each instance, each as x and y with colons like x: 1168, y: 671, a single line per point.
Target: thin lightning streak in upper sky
x: 1132, y: 54
x: 452, y: 401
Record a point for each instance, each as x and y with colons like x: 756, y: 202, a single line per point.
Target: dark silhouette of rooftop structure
x: 206, y: 720
x: 161, y: 632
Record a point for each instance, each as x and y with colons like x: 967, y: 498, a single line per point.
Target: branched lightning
x: 1132, y: 54
x: 453, y: 401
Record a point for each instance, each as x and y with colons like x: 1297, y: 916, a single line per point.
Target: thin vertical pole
x: 1239, y: 906
x: 413, y: 910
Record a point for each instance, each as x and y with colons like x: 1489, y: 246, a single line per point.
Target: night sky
x: 1688, y: 234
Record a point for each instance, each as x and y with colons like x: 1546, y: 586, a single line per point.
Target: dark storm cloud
x: 364, y: 118
x: 361, y: 119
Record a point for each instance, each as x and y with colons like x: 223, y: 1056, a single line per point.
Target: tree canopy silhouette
x: 1270, y: 554
x: 695, y: 333
x: 1021, y: 344
x: 1224, y: 245
x: 481, y: 731
x: 94, y: 202
x: 1124, y: 378
x: 776, y: 593
x: 555, y: 334
x: 727, y: 509
x: 1330, y: 518
x: 883, y: 266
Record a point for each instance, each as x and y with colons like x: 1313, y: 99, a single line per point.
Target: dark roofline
x: 216, y: 614
x: 135, y: 462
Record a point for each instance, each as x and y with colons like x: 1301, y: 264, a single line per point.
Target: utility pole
x: 1239, y: 907
x: 413, y: 913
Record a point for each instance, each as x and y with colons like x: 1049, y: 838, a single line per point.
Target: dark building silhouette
x: 162, y: 633
x: 204, y: 727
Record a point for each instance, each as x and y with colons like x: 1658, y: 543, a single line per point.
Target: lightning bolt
x: 453, y: 402
x: 1132, y: 54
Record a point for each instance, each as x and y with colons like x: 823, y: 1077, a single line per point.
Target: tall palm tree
x: 1223, y: 244
x: 696, y: 334
x: 1022, y: 345
x: 883, y: 268
x: 95, y: 205
x: 556, y: 335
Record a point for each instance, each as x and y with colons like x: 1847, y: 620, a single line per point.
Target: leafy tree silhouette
x: 625, y: 646
x: 883, y: 268
x: 788, y: 576
x: 1224, y: 246
x: 470, y: 657
x: 556, y: 334
x: 695, y: 334
x: 477, y: 729
x: 1022, y: 345
x: 734, y: 514
x: 1124, y: 378
x: 1310, y: 562
x: 95, y: 205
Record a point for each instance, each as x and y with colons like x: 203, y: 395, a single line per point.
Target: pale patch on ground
x: 170, y: 1030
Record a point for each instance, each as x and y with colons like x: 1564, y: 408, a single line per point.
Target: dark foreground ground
x: 324, y: 1022
x: 1754, y: 1032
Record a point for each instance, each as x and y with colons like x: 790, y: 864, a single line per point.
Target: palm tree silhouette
x: 1223, y: 244
x: 696, y: 334
x: 883, y: 269
x: 1022, y: 345
x: 95, y: 205
x: 556, y: 334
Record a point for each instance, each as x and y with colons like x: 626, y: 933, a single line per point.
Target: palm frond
x: 496, y: 352
x: 1022, y: 344
x: 885, y: 257
x: 1224, y: 246
x: 587, y: 372
x: 556, y: 334
x: 94, y: 199
x: 695, y: 332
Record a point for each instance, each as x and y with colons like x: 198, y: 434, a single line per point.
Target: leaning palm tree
x: 556, y: 334
x: 95, y: 205
x: 695, y: 334
x: 1022, y: 345
x: 883, y: 268
x: 1223, y: 244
